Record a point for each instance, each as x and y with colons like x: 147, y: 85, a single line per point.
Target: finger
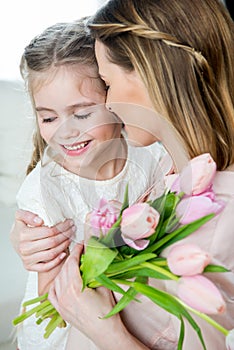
x: 52, y: 297
x: 28, y: 218
x: 28, y: 247
x: 77, y: 251
x: 44, y: 232
x: 45, y: 255
x: 72, y: 265
x: 46, y: 266
x: 63, y: 226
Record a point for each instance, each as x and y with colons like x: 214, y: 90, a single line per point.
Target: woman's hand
x: 41, y: 248
x: 84, y: 309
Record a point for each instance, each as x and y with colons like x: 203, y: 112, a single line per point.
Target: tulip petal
x: 139, y: 221
x: 195, y: 207
x: 138, y: 244
x: 198, y: 175
x: 187, y: 259
x: 201, y: 294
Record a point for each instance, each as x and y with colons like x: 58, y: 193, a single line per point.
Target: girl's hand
x: 41, y: 248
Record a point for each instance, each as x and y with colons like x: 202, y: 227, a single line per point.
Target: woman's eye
x: 82, y: 116
x: 48, y: 120
x: 107, y: 87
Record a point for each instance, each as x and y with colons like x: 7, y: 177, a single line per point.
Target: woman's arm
x: 40, y: 248
x: 84, y: 310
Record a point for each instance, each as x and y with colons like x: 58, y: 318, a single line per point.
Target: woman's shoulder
x: 224, y: 182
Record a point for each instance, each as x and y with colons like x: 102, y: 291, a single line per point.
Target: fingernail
x: 71, y: 222
x: 62, y: 256
x: 37, y: 220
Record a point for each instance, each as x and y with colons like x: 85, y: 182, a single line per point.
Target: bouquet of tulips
x: 125, y: 249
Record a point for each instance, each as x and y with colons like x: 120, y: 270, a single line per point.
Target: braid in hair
x: 146, y: 32
x: 39, y: 147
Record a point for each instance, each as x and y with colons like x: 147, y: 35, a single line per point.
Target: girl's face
x: 72, y: 117
x: 128, y: 97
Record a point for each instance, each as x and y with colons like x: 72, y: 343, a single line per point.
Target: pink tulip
x: 198, y: 175
x: 187, y: 259
x: 138, y: 221
x: 195, y: 207
x: 230, y: 340
x: 201, y: 294
x: 103, y: 218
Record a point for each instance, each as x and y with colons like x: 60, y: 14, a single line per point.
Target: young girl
x: 80, y: 154
x: 174, y: 61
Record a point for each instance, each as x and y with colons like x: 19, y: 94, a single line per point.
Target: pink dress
x: 158, y: 329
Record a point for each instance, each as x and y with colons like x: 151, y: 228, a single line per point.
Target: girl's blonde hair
x: 60, y: 44
x: 184, y: 52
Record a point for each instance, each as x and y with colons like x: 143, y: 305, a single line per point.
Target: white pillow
x: 16, y: 129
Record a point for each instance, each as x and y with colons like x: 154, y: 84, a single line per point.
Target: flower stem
x: 36, y: 300
x: 160, y: 270
x: 205, y: 317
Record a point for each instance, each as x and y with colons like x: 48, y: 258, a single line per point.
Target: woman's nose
x: 108, y: 106
x: 108, y: 101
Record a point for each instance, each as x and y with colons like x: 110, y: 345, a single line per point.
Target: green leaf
x: 126, y: 264
x: 126, y: 299
x: 177, y: 235
x: 141, y: 272
x: 108, y: 239
x: 165, y: 205
x: 127, y: 251
x: 108, y: 283
x: 181, y: 337
x: 96, y: 260
x: 168, y: 303
x: 215, y: 268
x: 159, y: 203
x: 125, y: 201
x: 185, y: 231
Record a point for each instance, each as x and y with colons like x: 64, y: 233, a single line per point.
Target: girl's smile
x: 77, y: 148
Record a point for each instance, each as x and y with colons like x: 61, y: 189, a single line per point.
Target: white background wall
x: 20, y: 21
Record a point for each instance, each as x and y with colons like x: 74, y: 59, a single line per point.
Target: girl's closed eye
x: 82, y: 116
x: 48, y: 120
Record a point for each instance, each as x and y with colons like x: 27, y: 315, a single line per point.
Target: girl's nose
x: 69, y: 129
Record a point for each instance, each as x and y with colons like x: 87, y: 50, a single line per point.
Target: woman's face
x: 128, y: 97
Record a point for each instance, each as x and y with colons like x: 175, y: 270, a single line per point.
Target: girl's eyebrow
x: 82, y: 105
x: 76, y: 105
x: 40, y: 109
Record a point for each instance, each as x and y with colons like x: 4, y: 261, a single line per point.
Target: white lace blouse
x: 56, y: 194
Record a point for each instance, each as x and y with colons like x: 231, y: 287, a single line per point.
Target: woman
x: 168, y: 67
